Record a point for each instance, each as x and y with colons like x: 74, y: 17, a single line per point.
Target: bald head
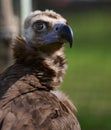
x: 45, y: 28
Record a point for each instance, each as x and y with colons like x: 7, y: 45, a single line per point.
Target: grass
x: 88, y: 78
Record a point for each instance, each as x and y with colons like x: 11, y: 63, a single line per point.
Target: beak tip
x: 70, y: 43
x: 67, y: 34
x: 70, y: 40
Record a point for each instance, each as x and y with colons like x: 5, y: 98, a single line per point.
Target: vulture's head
x: 47, y: 30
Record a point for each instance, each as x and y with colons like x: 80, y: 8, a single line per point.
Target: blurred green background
x: 88, y: 77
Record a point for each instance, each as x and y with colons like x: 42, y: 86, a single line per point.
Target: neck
x: 48, y: 66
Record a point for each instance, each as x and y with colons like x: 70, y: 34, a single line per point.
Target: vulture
x: 29, y: 95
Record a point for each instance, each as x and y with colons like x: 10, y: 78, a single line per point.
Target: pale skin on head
x: 30, y: 35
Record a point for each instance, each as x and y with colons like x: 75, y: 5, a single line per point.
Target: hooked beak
x: 61, y: 33
x: 66, y: 34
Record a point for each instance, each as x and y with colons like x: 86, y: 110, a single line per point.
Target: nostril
x: 57, y: 28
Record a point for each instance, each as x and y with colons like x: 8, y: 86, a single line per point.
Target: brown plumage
x: 29, y: 99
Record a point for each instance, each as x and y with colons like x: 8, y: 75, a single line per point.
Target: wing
x: 38, y: 110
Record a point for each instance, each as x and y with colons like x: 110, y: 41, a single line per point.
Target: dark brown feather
x: 26, y: 100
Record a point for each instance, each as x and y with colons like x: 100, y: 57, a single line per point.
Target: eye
x: 39, y: 26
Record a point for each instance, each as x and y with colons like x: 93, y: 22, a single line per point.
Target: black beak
x: 61, y: 33
x: 66, y: 34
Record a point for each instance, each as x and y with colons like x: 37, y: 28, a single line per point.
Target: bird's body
x: 28, y: 98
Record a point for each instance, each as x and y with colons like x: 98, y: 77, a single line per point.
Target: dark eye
x: 39, y: 26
